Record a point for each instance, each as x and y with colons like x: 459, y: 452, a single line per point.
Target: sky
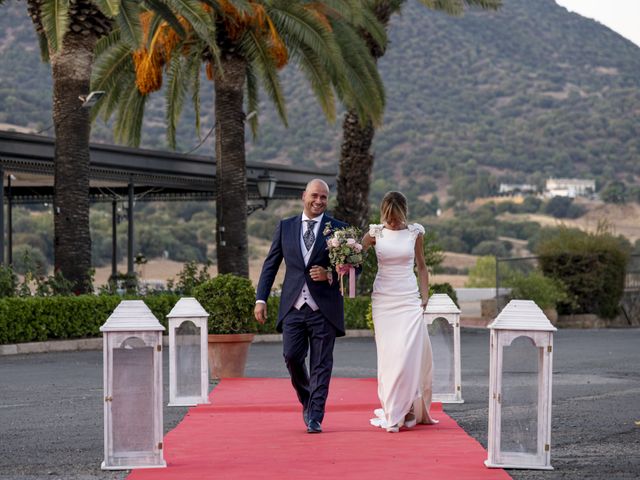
x: 622, y: 16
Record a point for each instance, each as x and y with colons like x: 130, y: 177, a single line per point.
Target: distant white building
x: 569, y: 187
x: 516, y: 188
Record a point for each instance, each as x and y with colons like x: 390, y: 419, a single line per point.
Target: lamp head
x: 90, y: 100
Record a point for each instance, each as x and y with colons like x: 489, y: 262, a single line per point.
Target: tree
x: 253, y: 40
x: 68, y: 32
x: 615, y: 192
x: 356, y: 159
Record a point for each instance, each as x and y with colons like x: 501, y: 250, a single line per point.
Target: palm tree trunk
x: 356, y: 159
x: 71, y: 70
x: 231, y: 175
x: 356, y: 164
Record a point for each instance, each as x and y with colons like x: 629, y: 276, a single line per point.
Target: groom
x: 311, y: 312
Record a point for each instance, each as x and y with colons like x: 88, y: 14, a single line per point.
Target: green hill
x: 526, y: 92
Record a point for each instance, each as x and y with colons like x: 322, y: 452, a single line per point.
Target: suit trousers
x: 305, y: 330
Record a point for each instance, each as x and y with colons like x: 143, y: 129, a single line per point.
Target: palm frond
x: 374, y: 28
x: 364, y: 89
x: 256, y: 50
x: 253, y: 100
x: 55, y: 21
x: 174, y: 95
x: 128, y: 20
x: 162, y: 11
x: 44, y: 47
x: 456, y: 7
x: 199, y: 19
x: 109, y: 8
x: 128, y: 125
x: 319, y: 80
x: 484, y: 4
x: 301, y: 27
x: 193, y: 74
x: 155, y: 23
x: 106, y: 42
x: 111, y: 68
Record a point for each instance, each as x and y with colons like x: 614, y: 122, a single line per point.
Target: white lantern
x: 132, y: 339
x: 520, y: 388
x: 188, y: 362
x: 443, y: 322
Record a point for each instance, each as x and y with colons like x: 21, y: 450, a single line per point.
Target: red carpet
x: 253, y: 429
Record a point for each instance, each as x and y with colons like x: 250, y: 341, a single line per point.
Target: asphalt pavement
x: 51, y: 421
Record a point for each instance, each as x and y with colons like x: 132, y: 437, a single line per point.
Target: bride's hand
x: 424, y: 304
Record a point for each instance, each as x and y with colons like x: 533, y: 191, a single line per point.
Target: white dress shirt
x: 305, y: 295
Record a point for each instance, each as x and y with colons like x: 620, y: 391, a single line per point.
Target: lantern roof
x: 187, y: 307
x: 441, y: 303
x: 522, y: 315
x: 131, y: 315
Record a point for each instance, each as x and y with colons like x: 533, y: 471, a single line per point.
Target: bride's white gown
x: 402, y: 341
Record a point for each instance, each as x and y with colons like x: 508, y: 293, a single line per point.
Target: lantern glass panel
x: 188, y: 360
x: 519, y: 412
x: 441, y: 336
x: 132, y: 406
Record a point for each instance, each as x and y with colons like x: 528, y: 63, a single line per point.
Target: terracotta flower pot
x: 228, y: 354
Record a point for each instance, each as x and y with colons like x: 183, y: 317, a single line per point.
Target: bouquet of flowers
x: 345, y: 253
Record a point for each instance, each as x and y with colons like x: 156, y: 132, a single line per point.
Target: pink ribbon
x: 344, y: 270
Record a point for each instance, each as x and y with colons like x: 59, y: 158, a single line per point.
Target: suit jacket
x: 286, y: 245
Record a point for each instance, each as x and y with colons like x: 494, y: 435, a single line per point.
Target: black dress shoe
x: 314, y: 427
x: 305, y: 416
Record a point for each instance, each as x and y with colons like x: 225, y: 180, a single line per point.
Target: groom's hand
x: 318, y: 273
x: 260, y: 312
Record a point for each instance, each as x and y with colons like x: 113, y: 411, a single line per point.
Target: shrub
x: 31, y: 319
x: 546, y: 292
x: 592, y: 266
x: 190, y: 277
x: 8, y: 282
x: 563, y: 207
x: 444, y: 288
x: 482, y: 274
x: 229, y: 299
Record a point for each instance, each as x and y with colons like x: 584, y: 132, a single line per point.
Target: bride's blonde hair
x: 394, y: 207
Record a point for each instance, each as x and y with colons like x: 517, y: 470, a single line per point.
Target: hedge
x: 33, y: 319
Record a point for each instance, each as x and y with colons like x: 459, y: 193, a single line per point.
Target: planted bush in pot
x: 229, y: 300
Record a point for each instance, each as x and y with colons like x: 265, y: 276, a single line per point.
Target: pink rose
x: 334, y: 242
x: 351, y: 241
x: 357, y: 247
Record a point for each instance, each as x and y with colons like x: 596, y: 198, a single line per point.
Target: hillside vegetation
x: 531, y: 90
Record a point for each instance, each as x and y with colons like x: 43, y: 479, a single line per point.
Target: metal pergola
x: 118, y: 173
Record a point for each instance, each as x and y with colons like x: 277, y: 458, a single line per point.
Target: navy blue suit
x: 305, y: 330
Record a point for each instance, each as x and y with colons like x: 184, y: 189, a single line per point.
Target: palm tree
x: 67, y: 31
x: 254, y: 39
x: 356, y: 159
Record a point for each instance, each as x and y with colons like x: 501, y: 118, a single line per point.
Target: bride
x: 402, y: 340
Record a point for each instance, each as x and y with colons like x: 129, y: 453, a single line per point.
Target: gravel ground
x: 51, y: 405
